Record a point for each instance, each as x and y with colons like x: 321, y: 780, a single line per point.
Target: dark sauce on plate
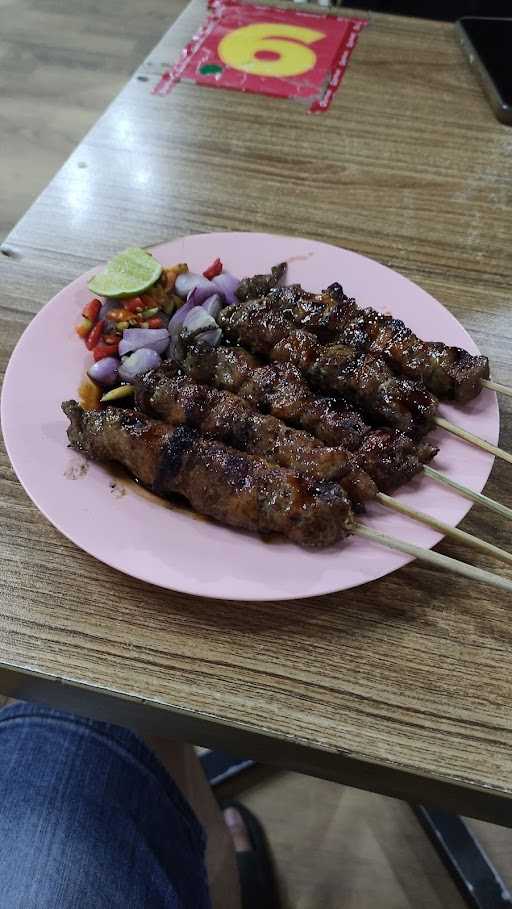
x: 123, y: 482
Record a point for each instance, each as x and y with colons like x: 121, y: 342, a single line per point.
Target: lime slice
x: 126, y: 275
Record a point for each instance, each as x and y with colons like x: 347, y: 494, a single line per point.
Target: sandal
x: 255, y: 868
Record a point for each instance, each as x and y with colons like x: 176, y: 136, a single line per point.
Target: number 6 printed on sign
x: 270, y: 49
x: 283, y: 53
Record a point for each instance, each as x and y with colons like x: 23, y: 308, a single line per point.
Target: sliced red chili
x: 92, y: 310
x: 134, y: 305
x: 213, y: 270
x: 94, y: 335
x: 104, y: 350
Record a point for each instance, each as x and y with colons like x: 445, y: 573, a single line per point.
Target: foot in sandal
x: 255, y: 867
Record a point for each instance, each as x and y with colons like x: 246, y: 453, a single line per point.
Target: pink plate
x: 171, y: 548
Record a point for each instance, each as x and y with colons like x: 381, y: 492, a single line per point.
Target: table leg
x: 471, y: 869
x: 219, y: 766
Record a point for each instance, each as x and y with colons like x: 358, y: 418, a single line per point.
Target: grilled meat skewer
x: 391, y: 458
x: 226, y: 418
x: 279, y: 389
x: 258, y: 285
x: 238, y: 489
x: 223, y: 416
x: 399, y: 402
x: 449, y: 372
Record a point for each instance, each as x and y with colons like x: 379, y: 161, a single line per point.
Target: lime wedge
x: 126, y: 275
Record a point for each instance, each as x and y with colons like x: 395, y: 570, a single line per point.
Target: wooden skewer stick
x: 468, y: 493
x: 474, y: 440
x: 497, y: 386
x: 434, y: 558
x: 459, y: 535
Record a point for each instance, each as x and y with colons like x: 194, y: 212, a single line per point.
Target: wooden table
x: 403, y: 686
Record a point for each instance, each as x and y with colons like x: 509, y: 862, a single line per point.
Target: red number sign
x: 285, y: 53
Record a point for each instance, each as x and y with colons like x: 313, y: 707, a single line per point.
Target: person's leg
x: 182, y: 762
x: 90, y: 818
x: 238, y: 855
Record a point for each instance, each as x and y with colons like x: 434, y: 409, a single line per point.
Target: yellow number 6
x: 239, y: 49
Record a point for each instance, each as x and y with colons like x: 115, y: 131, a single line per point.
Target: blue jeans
x: 90, y: 819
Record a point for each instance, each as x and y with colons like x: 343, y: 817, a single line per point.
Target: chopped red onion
x: 212, y: 305
x: 198, y: 319
x: 199, y: 294
x: 198, y: 324
x: 188, y: 282
x: 226, y: 285
x: 134, y: 338
x: 104, y: 371
x: 179, y: 317
x: 141, y: 360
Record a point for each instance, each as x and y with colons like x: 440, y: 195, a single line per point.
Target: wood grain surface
x: 60, y: 65
x: 403, y: 686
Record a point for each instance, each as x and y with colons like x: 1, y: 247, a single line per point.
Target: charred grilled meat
x: 238, y: 489
x: 259, y: 285
x: 223, y: 416
x: 279, y: 389
x: 449, y: 372
x: 338, y: 368
x: 392, y: 400
x: 392, y: 458
x: 389, y: 457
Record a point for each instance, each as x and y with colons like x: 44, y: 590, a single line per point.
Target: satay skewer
x: 223, y: 416
x: 449, y: 372
x: 473, y: 439
x: 459, y: 536
x: 409, y: 406
x: 267, y: 386
x: 301, y: 511
x: 497, y: 387
x: 334, y: 317
x: 433, y: 558
x: 477, y: 497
